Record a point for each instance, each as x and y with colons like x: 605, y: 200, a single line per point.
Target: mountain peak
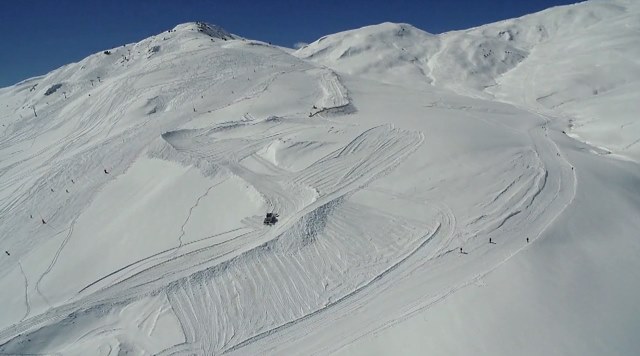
x: 206, y: 28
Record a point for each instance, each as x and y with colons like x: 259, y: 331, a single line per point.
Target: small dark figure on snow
x: 490, y: 241
x: 67, y: 190
x: 7, y: 252
x: 527, y: 240
x: 51, y: 190
x: 30, y: 216
x: 271, y: 219
x: 460, y: 249
x: 105, y: 171
x: 72, y: 182
x: 43, y: 222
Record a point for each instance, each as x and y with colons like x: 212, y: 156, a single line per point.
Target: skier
x: 460, y: 249
x: 105, y: 171
x: 7, y: 252
x: 527, y: 240
x: 44, y: 222
x: 490, y: 241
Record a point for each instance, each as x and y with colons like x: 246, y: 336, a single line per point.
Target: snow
x: 386, y: 151
x: 577, y: 61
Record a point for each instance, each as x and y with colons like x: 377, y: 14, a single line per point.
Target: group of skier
x: 66, y: 190
x: 44, y: 222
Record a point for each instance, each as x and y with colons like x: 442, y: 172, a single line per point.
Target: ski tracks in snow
x: 553, y: 192
x: 314, y: 233
x: 55, y: 259
x: 26, y: 293
x: 528, y: 204
x: 297, y: 267
x: 327, y: 252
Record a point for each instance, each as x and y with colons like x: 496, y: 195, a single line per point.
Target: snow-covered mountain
x: 473, y: 192
x: 578, y: 61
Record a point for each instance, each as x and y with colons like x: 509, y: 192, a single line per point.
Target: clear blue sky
x: 37, y: 36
